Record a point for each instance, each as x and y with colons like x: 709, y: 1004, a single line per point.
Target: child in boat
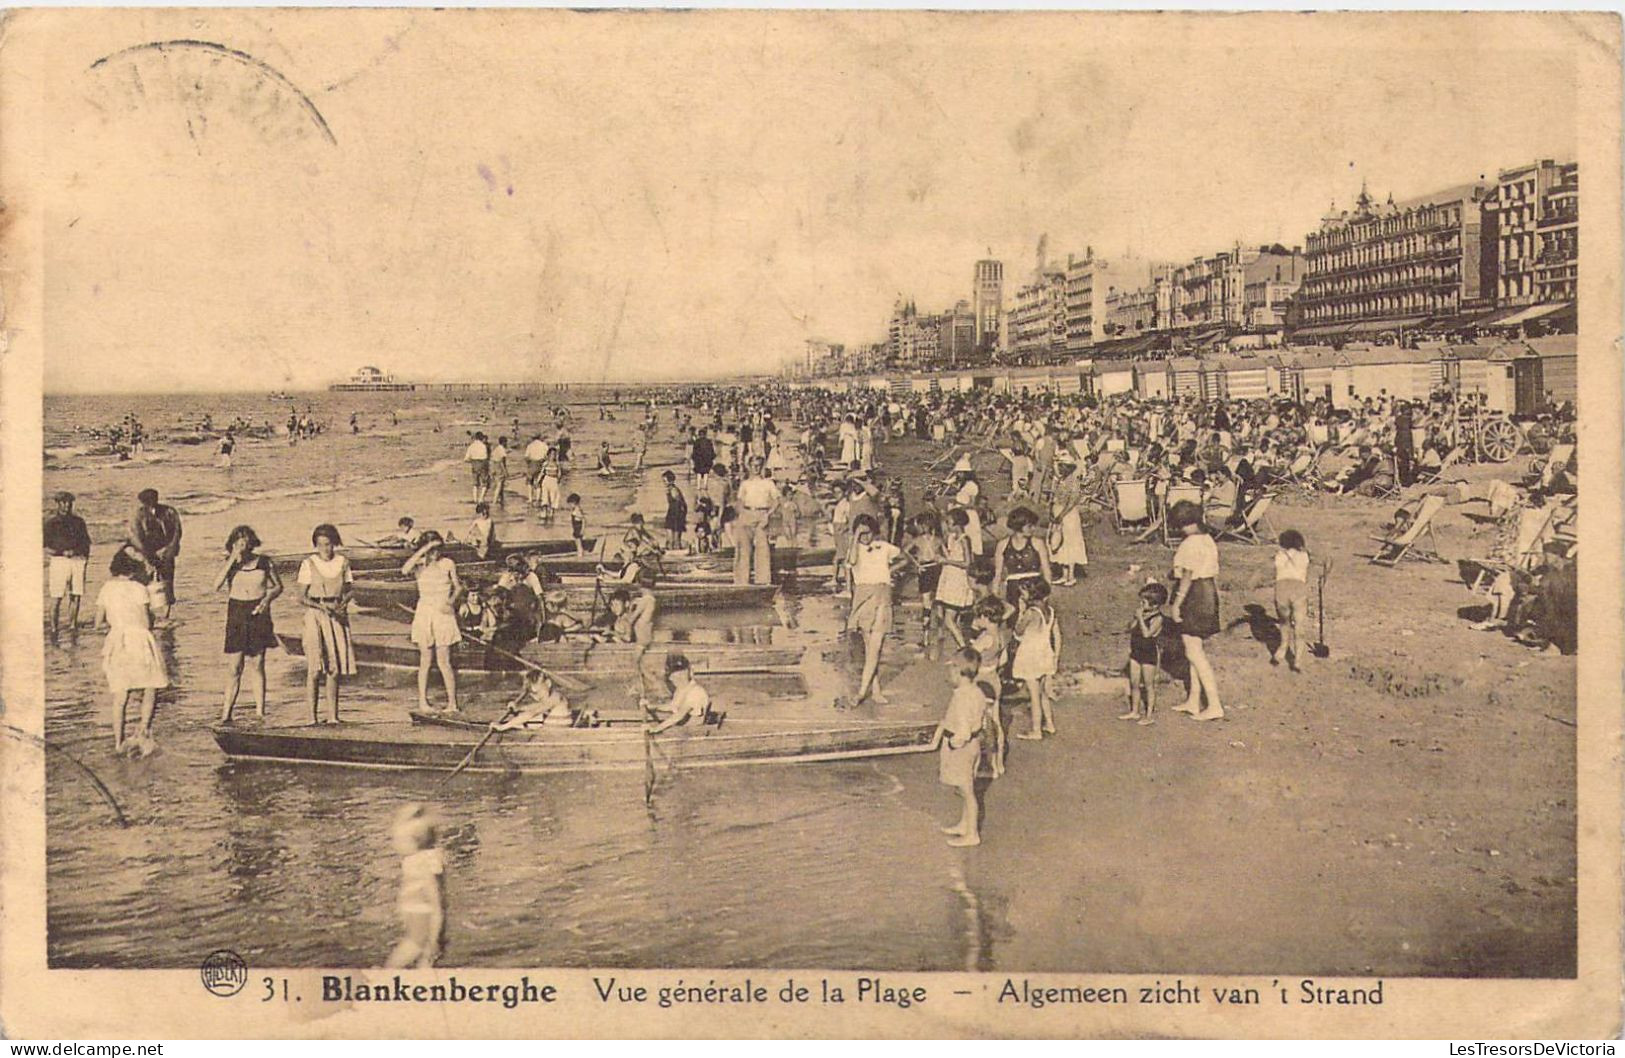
x: 639, y: 542
x: 422, y: 902
x: 557, y: 620
x: 689, y: 700
x: 1145, y: 652
x: 614, y: 623
x: 539, y: 703
x: 407, y: 535
x: 959, y: 736
x: 482, y: 532
x: 705, y: 512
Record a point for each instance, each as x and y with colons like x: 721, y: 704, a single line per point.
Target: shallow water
x: 830, y: 865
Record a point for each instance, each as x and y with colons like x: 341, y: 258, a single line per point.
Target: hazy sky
x: 564, y: 195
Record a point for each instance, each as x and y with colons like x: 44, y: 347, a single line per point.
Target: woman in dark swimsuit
x: 1020, y: 556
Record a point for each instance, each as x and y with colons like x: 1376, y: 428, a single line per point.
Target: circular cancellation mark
x: 224, y: 973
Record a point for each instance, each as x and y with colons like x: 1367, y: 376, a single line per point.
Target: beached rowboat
x: 396, y: 650
x: 386, y: 596
x: 405, y: 746
x: 784, y: 558
x: 367, y: 558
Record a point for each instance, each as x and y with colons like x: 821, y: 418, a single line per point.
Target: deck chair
x: 1379, y: 492
x: 1303, y: 473
x: 1433, y: 476
x: 1133, y: 504
x: 1409, y: 543
x: 1178, y: 492
x: 1556, y: 461
x: 1253, y: 519
x: 1536, y: 525
x: 1222, y: 497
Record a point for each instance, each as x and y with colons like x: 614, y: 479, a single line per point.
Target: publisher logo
x: 224, y: 973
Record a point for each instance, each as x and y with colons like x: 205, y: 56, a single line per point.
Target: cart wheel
x: 1500, y: 440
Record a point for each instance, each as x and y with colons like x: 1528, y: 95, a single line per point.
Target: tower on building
x: 987, y: 302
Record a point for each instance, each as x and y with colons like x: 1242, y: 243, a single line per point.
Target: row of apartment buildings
x: 1475, y: 255
x: 1069, y: 310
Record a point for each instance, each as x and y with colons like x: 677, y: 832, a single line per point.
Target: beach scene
x: 845, y: 492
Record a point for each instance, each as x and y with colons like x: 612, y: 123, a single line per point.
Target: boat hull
x: 785, y: 559
x: 367, y: 559
x: 408, y: 747
x: 386, y: 596
x: 398, y: 651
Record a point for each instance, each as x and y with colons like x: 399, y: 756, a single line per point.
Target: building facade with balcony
x: 1516, y: 219
x: 1091, y: 282
x: 1397, y: 264
x: 1557, y: 268
x: 1037, y: 320
x: 917, y: 340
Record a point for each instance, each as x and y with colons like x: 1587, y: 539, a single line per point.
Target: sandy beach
x: 1402, y: 807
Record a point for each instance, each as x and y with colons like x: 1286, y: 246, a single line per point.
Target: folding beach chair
x: 1133, y: 504
x: 1303, y: 473
x: 1408, y: 544
x: 1536, y: 525
x: 1436, y: 474
x: 1177, y: 493
x: 1393, y: 488
x: 1557, y: 460
x: 1253, y: 527
x: 1221, y: 500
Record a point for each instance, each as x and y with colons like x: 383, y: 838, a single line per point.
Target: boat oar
x: 559, y: 679
x: 466, y: 761
x: 648, y: 756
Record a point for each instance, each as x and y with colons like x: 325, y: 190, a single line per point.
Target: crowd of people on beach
x: 1189, y: 474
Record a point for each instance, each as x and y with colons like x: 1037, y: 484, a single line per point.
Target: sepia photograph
x: 1040, y: 499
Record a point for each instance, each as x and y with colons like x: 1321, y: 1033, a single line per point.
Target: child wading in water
x: 1145, y: 654
x: 422, y: 903
x: 959, y: 737
x: 578, y: 524
x: 987, y: 626
x: 1291, y: 597
x: 925, y: 548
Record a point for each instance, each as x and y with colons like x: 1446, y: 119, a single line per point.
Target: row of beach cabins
x: 1518, y: 378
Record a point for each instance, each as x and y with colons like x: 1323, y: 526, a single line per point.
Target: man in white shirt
x: 478, y: 458
x: 499, y: 470
x: 753, y: 553
x: 874, y: 563
x: 535, y: 456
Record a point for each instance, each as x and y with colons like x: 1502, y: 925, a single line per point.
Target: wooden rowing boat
x: 407, y: 746
x: 396, y: 650
x: 386, y: 596
x: 678, y: 563
x: 368, y: 558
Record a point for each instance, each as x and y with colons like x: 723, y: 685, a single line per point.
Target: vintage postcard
x: 810, y: 524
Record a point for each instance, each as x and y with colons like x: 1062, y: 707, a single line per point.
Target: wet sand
x: 1405, y: 806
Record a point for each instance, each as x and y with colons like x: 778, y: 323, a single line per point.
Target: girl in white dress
x: 325, y: 587
x: 434, y: 623
x: 1035, y: 658
x: 130, y: 656
x: 954, y: 594
x: 1069, y: 554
